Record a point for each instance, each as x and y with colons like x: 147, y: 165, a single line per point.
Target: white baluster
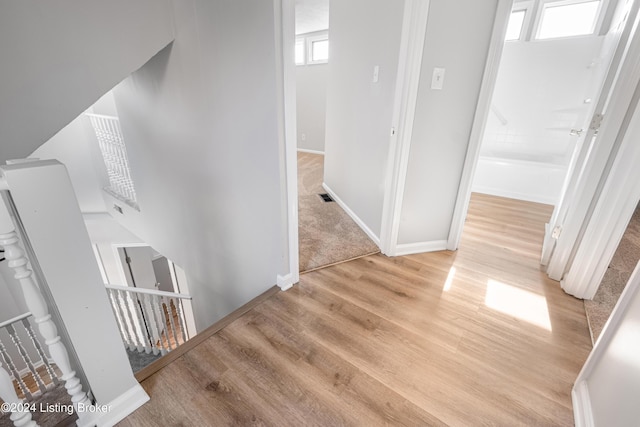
x: 117, y: 312
x: 171, y: 322
x: 12, y: 367
x: 38, y: 307
x: 25, y: 356
x: 8, y: 394
x: 161, y: 324
x: 151, y: 323
x: 43, y: 356
x: 125, y: 303
x: 181, y: 320
x: 137, y: 306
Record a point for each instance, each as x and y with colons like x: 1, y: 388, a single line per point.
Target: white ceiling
x: 312, y: 15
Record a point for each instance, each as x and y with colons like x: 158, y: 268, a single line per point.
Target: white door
x: 561, y: 236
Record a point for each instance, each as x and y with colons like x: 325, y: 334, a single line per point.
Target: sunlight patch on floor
x: 519, y: 303
x: 447, y: 283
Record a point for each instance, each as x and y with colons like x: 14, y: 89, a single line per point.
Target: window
x: 516, y: 23
x: 318, y: 49
x: 299, y: 53
x: 114, y: 154
x: 568, y: 18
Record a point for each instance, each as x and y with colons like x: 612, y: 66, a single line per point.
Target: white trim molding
x: 352, y: 214
x: 284, y: 16
x: 584, y: 185
x: 582, y: 411
x: 414, y: 28
x: 111, y: 413
x: 483, y: 108
x: 420, y: 247
x: 582, y: 406
x: 285, y: 282
x: 613, y: 211
x: 305, y: 150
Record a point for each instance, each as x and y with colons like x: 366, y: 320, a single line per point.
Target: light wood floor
x: 395, y: 341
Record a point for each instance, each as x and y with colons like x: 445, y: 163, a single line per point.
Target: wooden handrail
x: 148, y: 291
x: 15, y: 319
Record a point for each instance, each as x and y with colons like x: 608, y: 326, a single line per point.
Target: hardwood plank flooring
x: 479, y: 336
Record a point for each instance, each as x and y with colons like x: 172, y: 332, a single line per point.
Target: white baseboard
x: 420, y: 247
x: 582, y: 412
x: 285, y: 282
x: 305, y: 150
x: 116, y: 410
x: 352, y: 214
x: 514, y: 195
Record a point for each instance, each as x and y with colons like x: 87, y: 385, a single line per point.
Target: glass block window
x: 114, y: 154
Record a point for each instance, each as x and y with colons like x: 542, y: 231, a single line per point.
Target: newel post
x: 45, y: 202
x: 37, y: 305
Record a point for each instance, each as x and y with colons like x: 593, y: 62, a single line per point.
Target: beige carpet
x: 615, y: 279
x: 327, y: 234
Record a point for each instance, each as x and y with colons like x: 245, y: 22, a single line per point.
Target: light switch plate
x: 437, y: 80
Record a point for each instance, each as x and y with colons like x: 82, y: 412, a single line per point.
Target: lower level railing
x: 32, y: 374
x: 150, y: 321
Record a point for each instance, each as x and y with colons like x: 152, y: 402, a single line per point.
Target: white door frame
x: 614, y: 207
x: 414, y: 28
x: 585, y: 187
x: 483, y: 108
x: 284, y: 24
x: 582, y: 408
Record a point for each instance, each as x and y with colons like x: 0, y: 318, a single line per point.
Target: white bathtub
x: 519, y: 179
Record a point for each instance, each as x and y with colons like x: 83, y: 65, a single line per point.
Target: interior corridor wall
x: 311, y: 105
x: 364, y: 34
x: 200, y: 124
x: 458, y: 42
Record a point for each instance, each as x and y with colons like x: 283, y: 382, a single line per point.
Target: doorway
x: 327, y: 234
x: 552, y: 72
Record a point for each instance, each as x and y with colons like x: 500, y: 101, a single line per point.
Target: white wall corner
x: 420, y: 247
x: 582, y: 414
x: 109, y: 414
x: 287, y: 281
x: 353, y: 215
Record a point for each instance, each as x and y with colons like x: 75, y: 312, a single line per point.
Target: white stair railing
x: 36, y: 304
x: 150, y: 321
x: 42, y: 380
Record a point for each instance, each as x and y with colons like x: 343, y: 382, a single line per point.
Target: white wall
x: 60, y: 57
x: 311, y: 103
x: 359, y: 112
x: 200, y: 125
x: 459, y: 43
x: 77, y: 148
x: 106, y: 234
